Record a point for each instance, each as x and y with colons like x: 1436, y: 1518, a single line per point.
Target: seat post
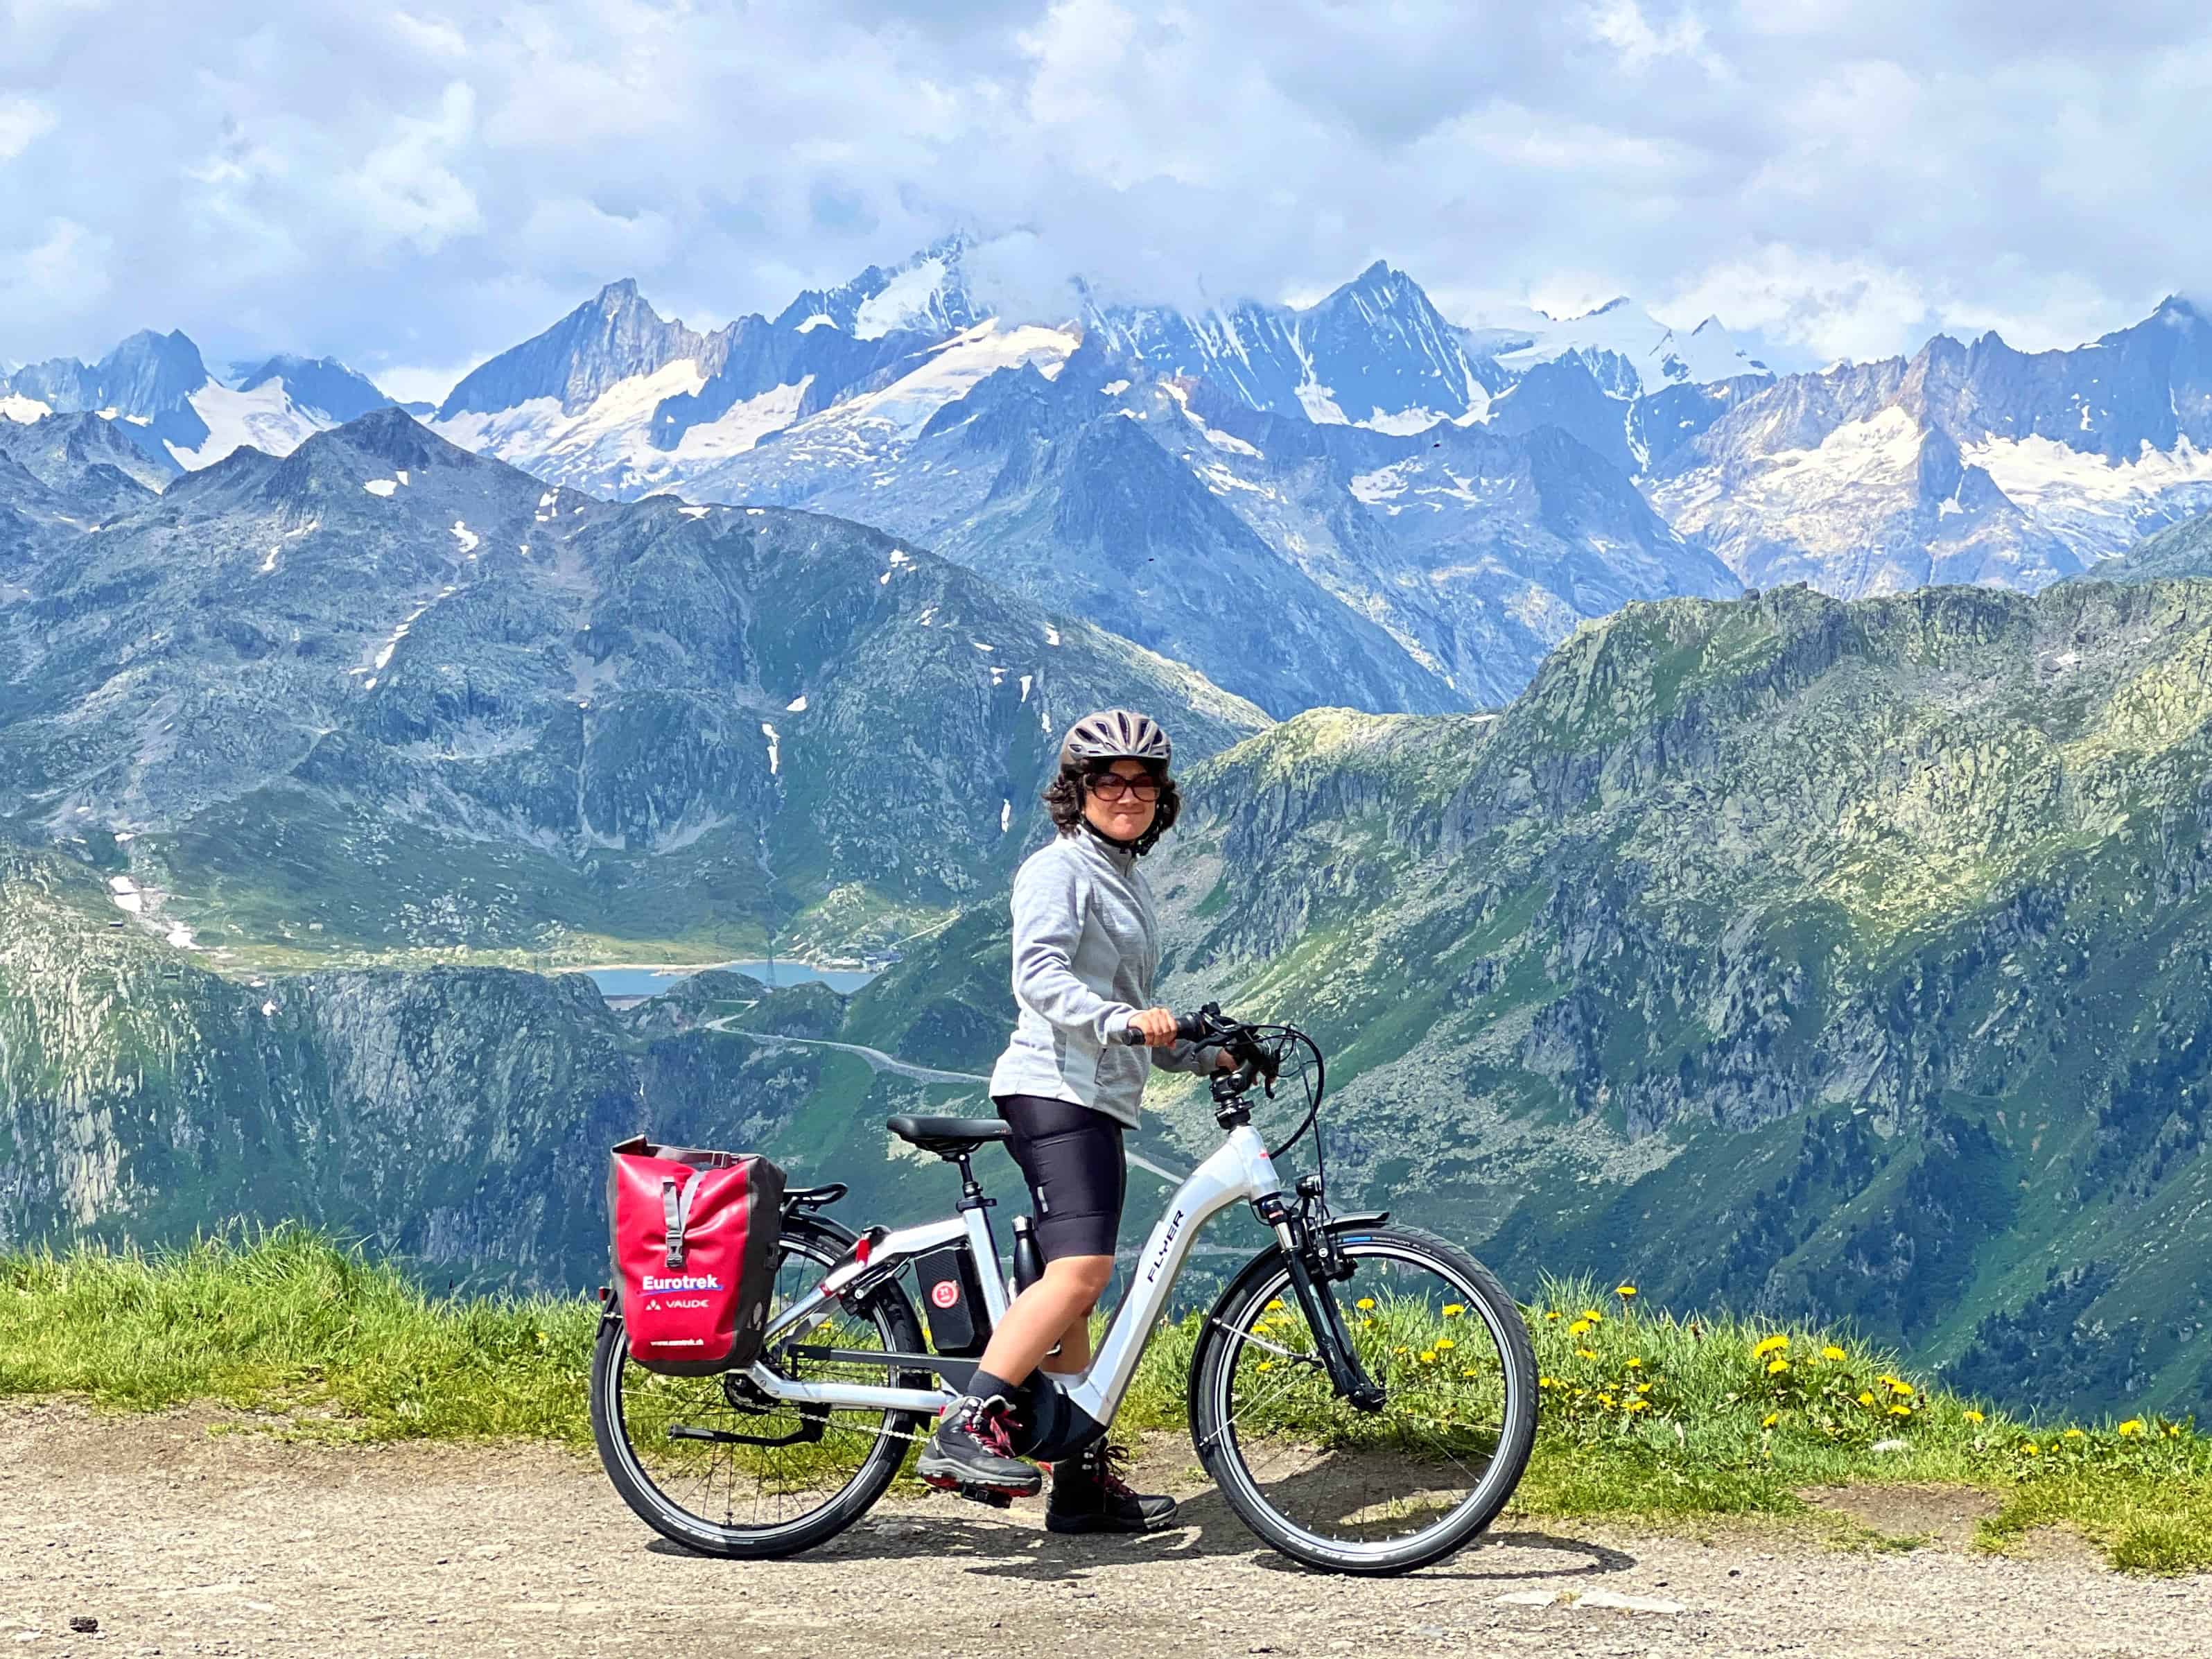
x: 971, y: 1193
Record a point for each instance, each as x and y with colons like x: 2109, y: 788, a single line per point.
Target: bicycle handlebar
x: 1189, y: 1027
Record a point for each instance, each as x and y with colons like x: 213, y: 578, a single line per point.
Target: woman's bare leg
x: 1054, y: 1310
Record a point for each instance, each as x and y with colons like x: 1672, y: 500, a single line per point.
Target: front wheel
x: 1368, y: 1492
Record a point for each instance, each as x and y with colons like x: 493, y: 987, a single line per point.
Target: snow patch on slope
x: 2093, y: 505
x: 905, y: 299
x: 264, y: 418
x: 742, y: 425
x: 607, y: 441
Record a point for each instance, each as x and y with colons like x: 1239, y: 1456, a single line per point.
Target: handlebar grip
x: 1189, y: 1027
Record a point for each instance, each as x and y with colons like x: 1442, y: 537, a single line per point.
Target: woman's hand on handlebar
x: 1157, y: 1027
x: 1154, y: 1026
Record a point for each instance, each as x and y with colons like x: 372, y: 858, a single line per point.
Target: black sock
x: 983, y: 1385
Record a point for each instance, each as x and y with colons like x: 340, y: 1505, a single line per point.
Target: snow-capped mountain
x: 1438, y: 505
x: 158, y: 390
x: 616, y: 398
x: 1628, y: 350
x: 1182, y: 509
x: 1375, y: 353
x: 1965, y: 463
x: 927, y: 294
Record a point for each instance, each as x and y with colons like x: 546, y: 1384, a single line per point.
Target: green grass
x: 1647, y: 1417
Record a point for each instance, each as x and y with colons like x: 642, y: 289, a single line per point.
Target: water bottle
x: 1028, y: 1265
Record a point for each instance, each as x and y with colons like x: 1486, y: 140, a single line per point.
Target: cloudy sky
x: 413, y: 188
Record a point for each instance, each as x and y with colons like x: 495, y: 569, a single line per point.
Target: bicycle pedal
x: 989, y: 1495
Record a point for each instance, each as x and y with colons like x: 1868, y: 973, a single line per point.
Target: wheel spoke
x: 738, y: 1496
x: 1315, y: 1474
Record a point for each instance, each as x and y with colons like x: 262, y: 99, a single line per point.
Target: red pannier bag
x: 694, y: 1236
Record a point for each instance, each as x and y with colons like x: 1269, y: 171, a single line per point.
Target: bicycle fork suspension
x: 1346, y: 1376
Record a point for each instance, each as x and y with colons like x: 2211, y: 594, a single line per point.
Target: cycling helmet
x: 1115, y: 734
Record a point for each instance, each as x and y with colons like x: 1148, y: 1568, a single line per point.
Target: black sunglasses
x: 1112, y: 786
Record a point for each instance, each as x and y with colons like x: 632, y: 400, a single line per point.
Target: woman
x: 1086, y: 944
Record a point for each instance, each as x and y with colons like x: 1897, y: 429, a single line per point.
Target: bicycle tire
x: 1221, y: 1448
x: 821, y: 1243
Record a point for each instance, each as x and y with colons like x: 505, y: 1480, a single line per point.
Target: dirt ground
x: 179, y: 1541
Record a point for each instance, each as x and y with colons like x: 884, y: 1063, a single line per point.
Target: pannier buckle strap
x: 672, y: 1216
x: 676, y: 1213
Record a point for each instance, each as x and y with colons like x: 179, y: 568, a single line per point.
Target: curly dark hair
x: 1063, y: 799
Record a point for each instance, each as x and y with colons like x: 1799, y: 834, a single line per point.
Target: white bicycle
x: 1365, y: 1394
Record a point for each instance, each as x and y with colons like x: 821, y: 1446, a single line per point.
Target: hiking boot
x: 972, y: 1449
x: 1089, y: 1495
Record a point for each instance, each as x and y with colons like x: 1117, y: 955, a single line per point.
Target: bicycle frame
x: 1239, y: 1169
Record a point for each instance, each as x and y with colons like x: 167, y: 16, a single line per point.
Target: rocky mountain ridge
x: 383, y: 694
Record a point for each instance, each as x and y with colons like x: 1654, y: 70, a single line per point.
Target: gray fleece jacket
x: 1086, y: 946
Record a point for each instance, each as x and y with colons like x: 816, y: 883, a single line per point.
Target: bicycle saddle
x: 948, y: 1137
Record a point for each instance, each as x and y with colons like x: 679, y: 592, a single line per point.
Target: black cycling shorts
x: 1072, y: 1158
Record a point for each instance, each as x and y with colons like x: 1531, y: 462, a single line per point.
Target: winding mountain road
x: 884, y: 1062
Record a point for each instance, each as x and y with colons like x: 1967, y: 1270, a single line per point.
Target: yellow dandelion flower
x: 2029, y: 1448
x: 1363, y: 1304
x: 1548, y: 1382
x: 1593, y: 1316
x: 1865, y: 1399
x: 1635, y: 1364
x: 1765, y: 1422
x: 1624, y: 1290
x: 1469, y: 1371
x: 1265, y: 1364
x: 1605, y: 1400
x: 1774, y: 1367
x: 2074, y: 1434
x: 1900, y: 1411
x: 1831, y: 1352
x: 1972, y: 1416
x: 1644, y: 1387
x: 2133, y: 1425
x: 1768, y: 1345
x: 1902, y: 1390
x: 1444, y: 1344
x: 1580, y: 1327
x: 1428, y: 1355
x: 1586, y: 1353
x: 1454, y: 1310
x: 1551, y: 1313
x: 2172, y: 1430
x: 1637, y: 1406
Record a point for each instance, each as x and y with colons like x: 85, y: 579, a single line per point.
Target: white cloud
x: 405, y: 187
x: 67, y: 268
x: 428, y: 184
x: 412, y: 383
x: 21, y: 121
x: 1834, y: 306
x: 1622, y: 25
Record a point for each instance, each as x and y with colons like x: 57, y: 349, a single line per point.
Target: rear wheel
x: 1354, y: 1491
x: 657, y: 1436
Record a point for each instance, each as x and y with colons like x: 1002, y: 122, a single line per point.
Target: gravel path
x: 181, y: 1541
